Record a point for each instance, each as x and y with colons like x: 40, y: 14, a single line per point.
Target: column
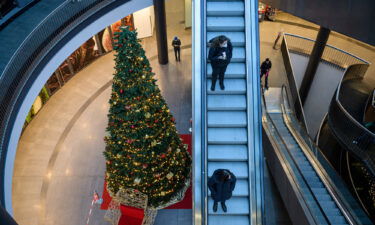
x: 161, y: 31
x: 312, y: 66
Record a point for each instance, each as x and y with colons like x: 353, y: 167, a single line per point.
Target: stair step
x: 225, y: 23
x: 241, y: 189
x: 226, y: 102
x: 232, y: 86
x: 235, y: 206
x: 234, y: 70
x: 227, y: 153
x: 226, y: 119
x: 225, y: 9
x: 227, y: 136
x: 236, y: 38
x: 225, y: 220
x: 337, y: 220
x: 238, y: 54
x: 323, y: 197
x: 320, y: 191
x: 239, y: 169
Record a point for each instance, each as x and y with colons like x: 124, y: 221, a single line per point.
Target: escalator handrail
x: 312, y: 214
x: 318, y: 168
x: 199, y: 113
x: 254, y: 117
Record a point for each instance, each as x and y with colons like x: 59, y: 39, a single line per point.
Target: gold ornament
x: 147, y: 115
x: 137, y: 180
x: 169, y: 175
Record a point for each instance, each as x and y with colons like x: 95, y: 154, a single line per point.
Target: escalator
x: 227, y: 127
x: 315, y: 188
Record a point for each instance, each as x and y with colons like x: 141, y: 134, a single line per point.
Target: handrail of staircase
x: 199, y: 113
x: 312, y: 215
x: 254, y: 118
x: 325, y: 172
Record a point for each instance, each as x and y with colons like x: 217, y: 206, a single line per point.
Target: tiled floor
x: 59, y: 161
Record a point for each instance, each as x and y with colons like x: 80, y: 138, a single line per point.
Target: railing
x: 199, y: 113
x: 335, y: 56
x: 334, y: 184
x: 314, y: 211
x: 295, y: 99
x: 353, y: 134
x: 32, y: 51
x: 254, y: 114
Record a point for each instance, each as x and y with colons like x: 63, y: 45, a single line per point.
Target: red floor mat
x: 186, y: 203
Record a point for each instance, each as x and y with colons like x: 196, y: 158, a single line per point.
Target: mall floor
x: 59, y: 160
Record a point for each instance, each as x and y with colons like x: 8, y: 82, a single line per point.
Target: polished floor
x: 59, y: 160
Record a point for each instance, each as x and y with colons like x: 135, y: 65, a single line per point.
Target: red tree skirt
x: 186, y: 203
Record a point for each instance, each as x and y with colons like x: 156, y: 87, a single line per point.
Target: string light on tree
x: 143, y: 148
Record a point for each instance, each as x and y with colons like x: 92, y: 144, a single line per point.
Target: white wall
x: 144, y: 21
x: 188, y: 13
x: 74, y: 43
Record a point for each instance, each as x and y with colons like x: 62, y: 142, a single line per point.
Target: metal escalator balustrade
x: 327, y: 190
x: 228, y: 116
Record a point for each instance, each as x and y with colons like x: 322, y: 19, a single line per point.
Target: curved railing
x: 15, y: 77
x: 351, y: 133
x: 333, y: 55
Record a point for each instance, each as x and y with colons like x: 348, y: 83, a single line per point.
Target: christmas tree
x: 143, y: 149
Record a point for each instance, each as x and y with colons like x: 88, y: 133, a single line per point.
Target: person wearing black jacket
x: 221, y: 185
x: 176, y: 43
x: 264, y: 70
x: 219, y: 55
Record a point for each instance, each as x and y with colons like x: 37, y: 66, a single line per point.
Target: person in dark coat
x: 221, y: 185
x: 219, y: 55
x: 176, y: 43
x: 264, y: 70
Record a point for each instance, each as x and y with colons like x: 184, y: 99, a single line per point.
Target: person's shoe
x: 212, y: 88
x: 223, y: 206
x: 215, y: 207
x: 222, y: 86
x: 267, y: 88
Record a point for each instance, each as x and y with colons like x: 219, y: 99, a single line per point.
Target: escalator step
x: 238, y: 55
x: 225, y: 24
x: 227, y: 152
x: 227, y: 136
x: 235, y: 205
x: 226, y: 102
x: 232, y: 86
x: 225, y: 220
x: 225, y: 8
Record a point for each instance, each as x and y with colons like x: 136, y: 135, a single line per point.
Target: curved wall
x: 77, y: 37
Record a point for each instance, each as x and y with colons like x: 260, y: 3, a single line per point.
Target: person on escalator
x: 221, y: 185
x: 219, y: 55
x: 265, y: 70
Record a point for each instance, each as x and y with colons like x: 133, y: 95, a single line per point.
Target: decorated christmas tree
x: 143, y: 149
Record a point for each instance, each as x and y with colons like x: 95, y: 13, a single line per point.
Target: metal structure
x: 227, y: 125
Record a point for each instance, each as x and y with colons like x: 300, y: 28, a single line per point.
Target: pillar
x: 312, y: 66
x: 161, y: 31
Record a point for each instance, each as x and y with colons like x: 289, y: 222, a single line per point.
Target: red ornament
x: 172, y: 119
x: 163, y: 155
x: 130, y: 71
x: 121, y: 91
x: 145, y: 165
x: 156, y: 121
x: 132, y: 126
